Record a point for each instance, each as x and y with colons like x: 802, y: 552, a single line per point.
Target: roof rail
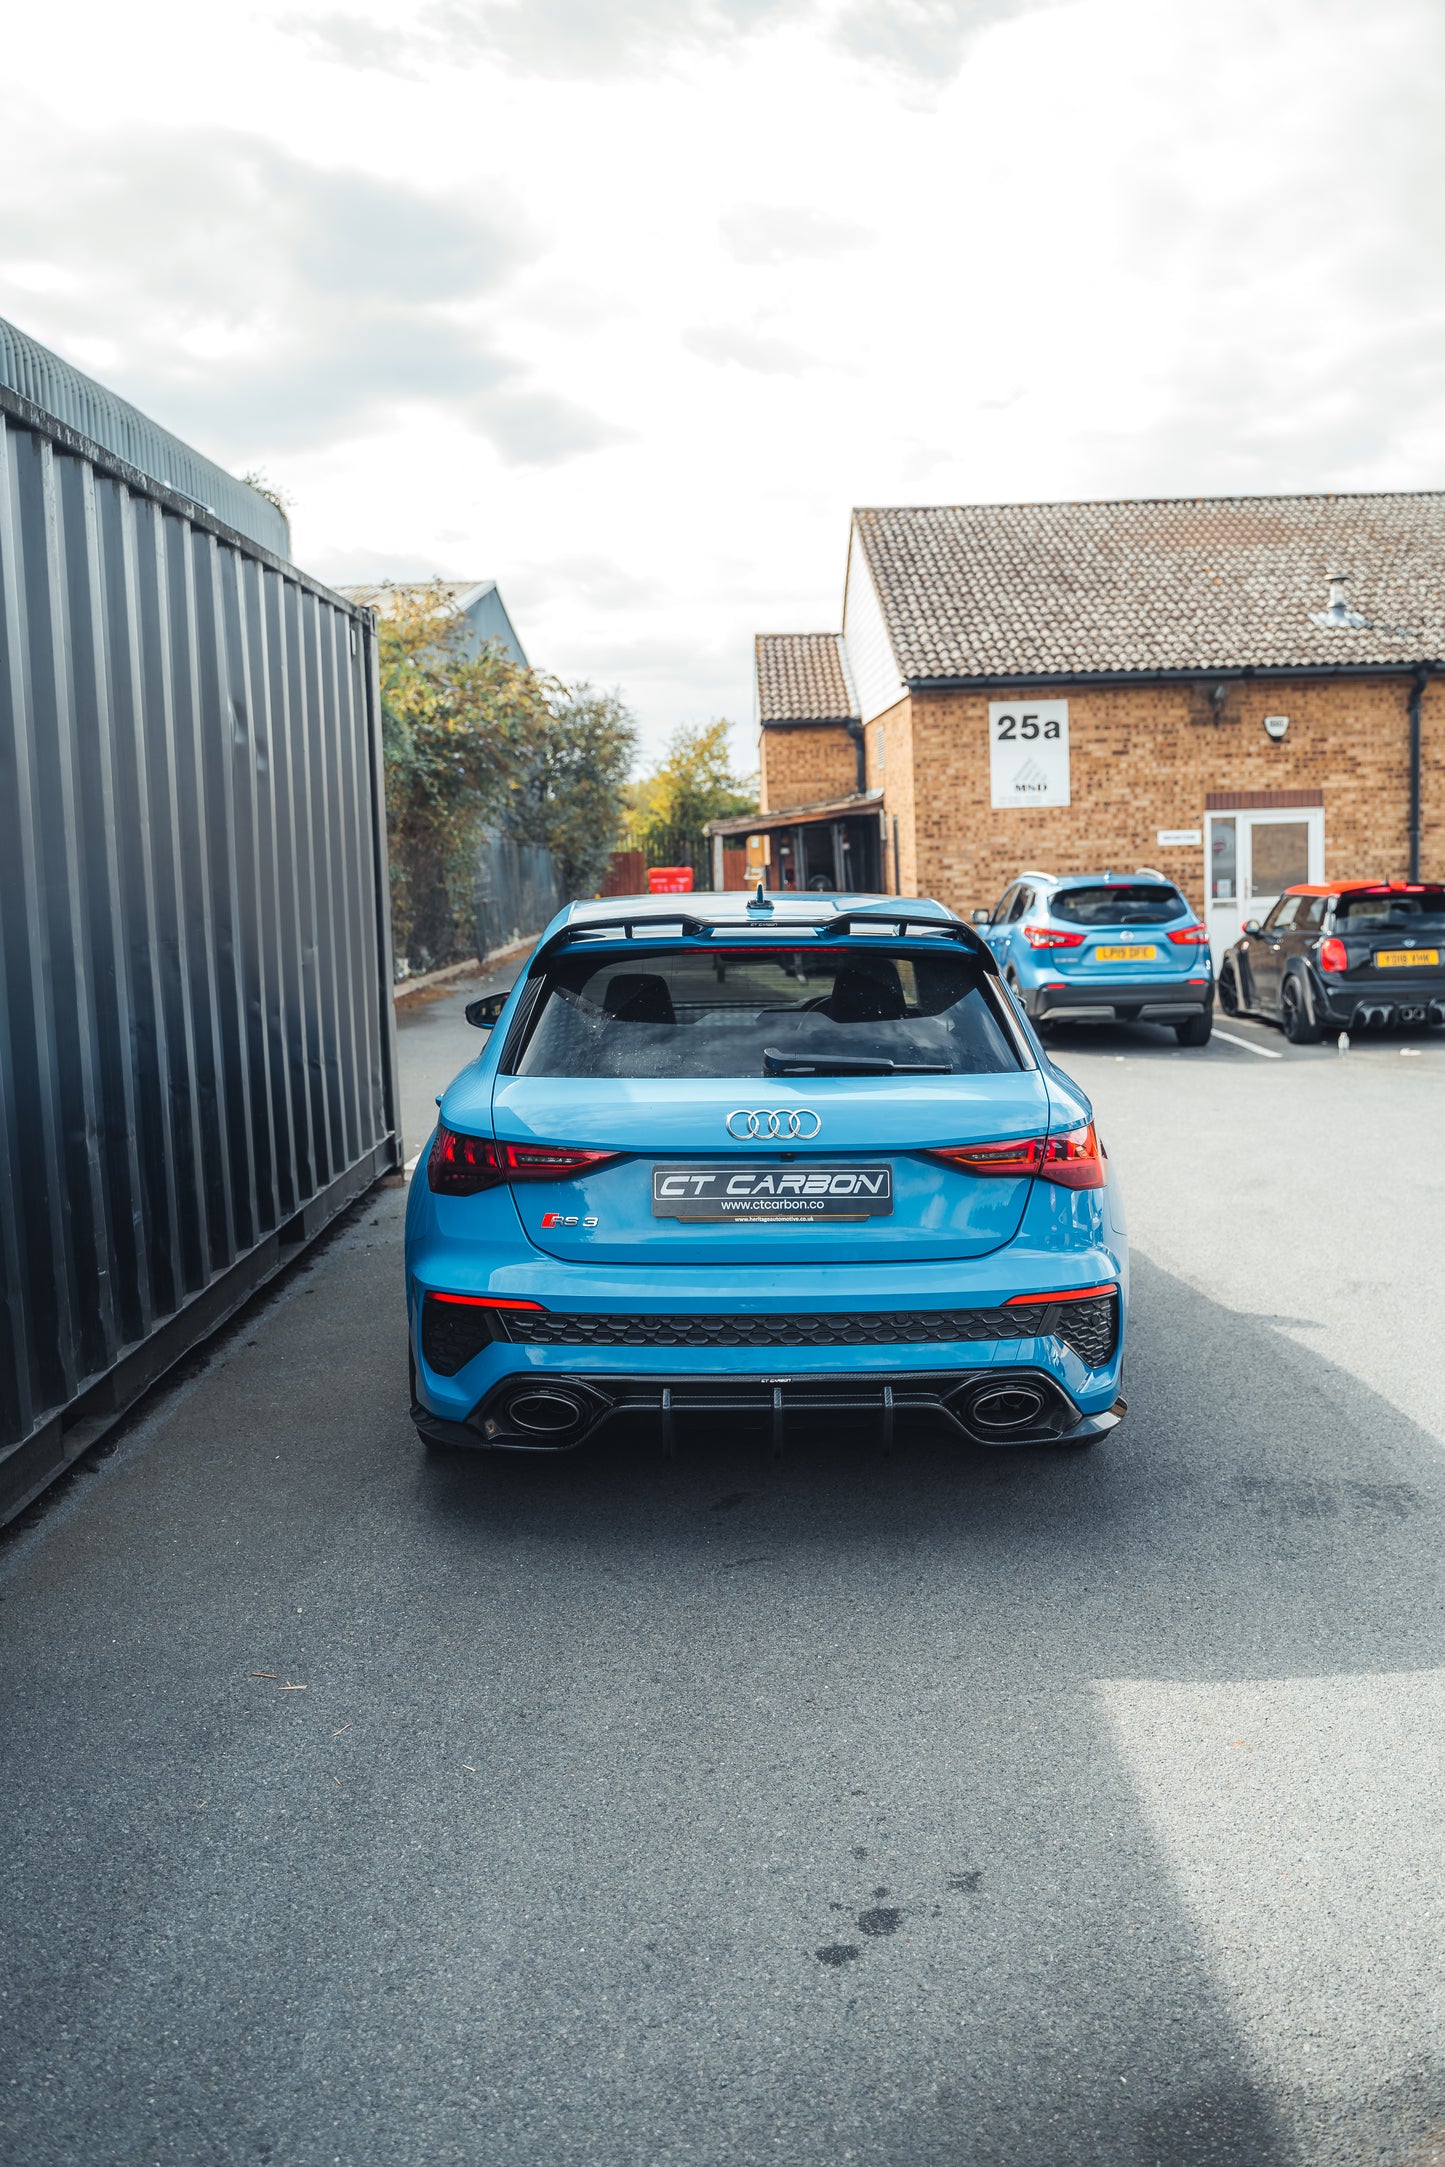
x: 1150, y: 872
x: 1031, y: 872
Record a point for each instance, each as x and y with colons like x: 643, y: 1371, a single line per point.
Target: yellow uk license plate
x: 1400, y: 959
x: 1137, y: 954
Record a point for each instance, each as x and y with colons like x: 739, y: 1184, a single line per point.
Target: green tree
x: 458, y: 728
x: 694, y: 783
x: 570, y: 792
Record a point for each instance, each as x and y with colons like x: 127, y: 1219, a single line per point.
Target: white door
x: 1252, y: 858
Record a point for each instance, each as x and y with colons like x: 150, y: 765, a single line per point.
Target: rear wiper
x: 777, y: 1063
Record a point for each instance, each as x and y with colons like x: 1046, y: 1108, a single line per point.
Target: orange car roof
x: 1347, y: 887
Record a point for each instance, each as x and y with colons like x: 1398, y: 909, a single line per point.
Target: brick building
x: 1240, y: 691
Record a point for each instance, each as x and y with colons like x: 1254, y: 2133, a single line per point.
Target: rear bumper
x: 1354, y: 1008
x: 1139, y: 1001
x: 1015, y: 1405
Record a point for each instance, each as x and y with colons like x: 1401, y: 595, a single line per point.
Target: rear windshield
x: 719, y: 1013
x: 1365, y: 913
x: 1121, y: 903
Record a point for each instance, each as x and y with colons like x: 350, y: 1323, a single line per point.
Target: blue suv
x: 1099, y: 947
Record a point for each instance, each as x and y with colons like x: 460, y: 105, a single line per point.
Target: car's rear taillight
x: 1074, y: 1158
x: 1190, y: 936
x: 1024, y: 1157
x: 462, y: 1165
x: 1047, y: 936
x: 1334, y: 955
x: 465, y: 1165
x: 550, y: 1162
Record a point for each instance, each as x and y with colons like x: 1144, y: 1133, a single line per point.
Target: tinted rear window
x: 1376, y: 913
x: 708, y: 1013
x: 1120, y: 903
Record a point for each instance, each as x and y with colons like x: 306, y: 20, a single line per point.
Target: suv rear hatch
x: 1122, y: 931
x: 725, y: 1078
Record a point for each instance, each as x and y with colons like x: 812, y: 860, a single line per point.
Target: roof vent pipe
x: 1339, y: 617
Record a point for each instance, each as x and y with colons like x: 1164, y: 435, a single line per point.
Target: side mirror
x: 1253, y: 928
x: 483, y: 1013
x: 983, y: 917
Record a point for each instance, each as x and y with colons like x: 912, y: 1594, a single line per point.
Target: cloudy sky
x: 625, y: 302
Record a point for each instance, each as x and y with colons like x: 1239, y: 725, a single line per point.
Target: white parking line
x: 1266, y: 1053
x: 410, y: 1167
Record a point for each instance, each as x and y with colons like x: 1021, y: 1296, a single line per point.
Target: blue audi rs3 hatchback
x: 795, y: 1155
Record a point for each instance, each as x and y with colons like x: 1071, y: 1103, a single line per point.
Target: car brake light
x: 1074, y: 1159
x: 1047, y: 936
x: 550, y: 1162
x: 461, y: 1165
x: 465, y: 1165
x: 1334, y: 955
x: 1024, y: 1157
x: 1190, y: 936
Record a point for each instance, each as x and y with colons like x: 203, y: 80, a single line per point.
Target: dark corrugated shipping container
x: 197, y: 1047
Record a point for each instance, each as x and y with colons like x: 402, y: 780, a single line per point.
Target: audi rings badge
x: 795, y: 1123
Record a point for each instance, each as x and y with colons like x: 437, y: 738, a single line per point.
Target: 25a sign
x: 1028, y: 746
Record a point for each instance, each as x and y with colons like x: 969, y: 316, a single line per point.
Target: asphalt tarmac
x: 955, y: 1807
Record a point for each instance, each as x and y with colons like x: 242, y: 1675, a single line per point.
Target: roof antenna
x: 759, y: 901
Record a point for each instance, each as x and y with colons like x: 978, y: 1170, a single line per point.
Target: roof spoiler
x: 640, y: 925
x: 887, y: 914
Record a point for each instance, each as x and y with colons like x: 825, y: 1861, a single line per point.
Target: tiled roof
x: 1188, y: 583
x: 803, y: 677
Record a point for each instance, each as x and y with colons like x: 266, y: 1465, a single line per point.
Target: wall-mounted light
x: 1275, y: 726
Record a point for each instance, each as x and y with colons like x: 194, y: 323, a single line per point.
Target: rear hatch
x: 1394, y: 938
x: 875, y: 1125
x: 720, y: 1077
x: 1123, y: 931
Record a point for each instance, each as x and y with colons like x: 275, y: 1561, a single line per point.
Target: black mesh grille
x: 1088, y: 1327
x: 452, y: 1332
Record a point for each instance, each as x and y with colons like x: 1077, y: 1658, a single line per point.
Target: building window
x: 880, y: 748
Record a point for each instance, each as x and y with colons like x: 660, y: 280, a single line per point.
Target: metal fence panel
x: 517, y: 887
x: 197, y: 1047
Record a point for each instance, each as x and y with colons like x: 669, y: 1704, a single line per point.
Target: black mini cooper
x: 1342, y: 957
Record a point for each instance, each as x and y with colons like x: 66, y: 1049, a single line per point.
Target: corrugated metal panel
x: 72, y: 397
x: 197, y: 1048
x: 516, y: 889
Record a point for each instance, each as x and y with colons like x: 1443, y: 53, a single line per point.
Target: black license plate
x: 772, y: 1192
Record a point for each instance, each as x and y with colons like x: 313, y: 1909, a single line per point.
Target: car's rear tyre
x: 1297, y: 1023
x: 1195, y: 1030
x: 1228, y: 990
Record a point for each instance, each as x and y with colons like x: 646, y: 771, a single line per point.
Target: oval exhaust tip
x: 1006, y: 1407
x: 545, y: 1413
